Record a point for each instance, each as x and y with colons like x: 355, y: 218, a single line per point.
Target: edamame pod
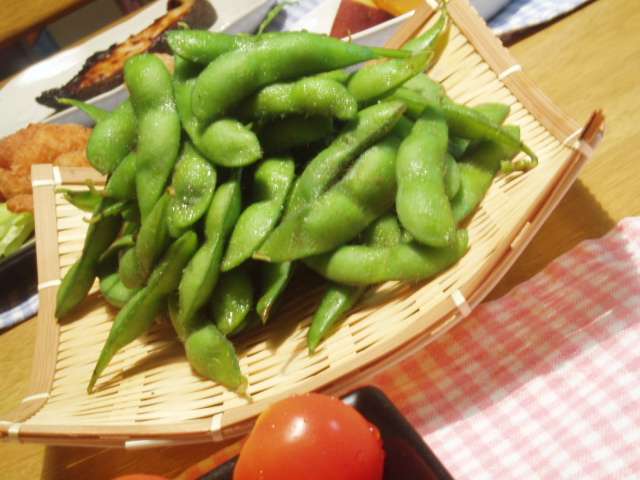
x: 201, y: 274
x: 307, y: 96
x: 274, y: 278
x: 191, y: 190
x: 272, y: 181
x: 281, y: 135
x: 85, y: 200
x: 339, y: 298
x: 113, y: 138
x: 478, y: 167
x: 122, y: 182
x: 139, y: 313
x: 232, y: 299
x: 366, y: 192
x: 237, y: 74
x: 377, y: 80
x: 80, y: 278
x: 370, y: 125
x: 151, y: 91
x: 421, y: 202
x: 214, y: 357
x: 366, y: 265
x: 153, y: 237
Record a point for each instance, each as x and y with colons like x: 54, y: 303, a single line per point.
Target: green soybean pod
x: 273, y: 281
x: 201, y: 274
x: 466, y: 122
x: 232, y: 299
x: 121, y: 183
x: 415, y: 102
x: 307, y: 96
x: 78, y: 281
x: 111, y: 286
x: 151, y: 91
x: 435, y: 35
x: 114, y: 291
x: 213, y: 356
x: 282, y: 135
x: 407, y: 261
x: 496, y: 112
x: 191, y: 191
x: 141, y: 310
x: 370, y: 125
x: 272, y: 180
x: 365, y: 192
x: 451, y: 176
x: 421, y: 201
x: 338, y: 298
x: 113, y: 138
x: 153, y: 237
x: 85, y: 200
x: 203, y: 46
x: 430, y: 89
x: 373, y: 82
x: 478, y: 167
x: 239, y: 73
x: 131, y: 273
x: 228, y: 142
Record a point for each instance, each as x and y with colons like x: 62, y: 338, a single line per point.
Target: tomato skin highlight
x: 311, y: 437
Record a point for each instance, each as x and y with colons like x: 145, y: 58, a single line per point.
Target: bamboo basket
x: 150, y: 396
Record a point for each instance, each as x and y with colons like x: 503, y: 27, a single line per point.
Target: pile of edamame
x: 262, y: 154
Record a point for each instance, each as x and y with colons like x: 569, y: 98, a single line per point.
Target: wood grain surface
x: 21, y: 18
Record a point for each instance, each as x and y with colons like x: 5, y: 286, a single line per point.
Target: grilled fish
x: 103, y: 70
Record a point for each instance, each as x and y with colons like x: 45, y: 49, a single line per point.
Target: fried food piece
x: 62, y: 145
x: 103, y: 70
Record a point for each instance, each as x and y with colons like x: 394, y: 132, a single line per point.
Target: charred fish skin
x: 103, y: 70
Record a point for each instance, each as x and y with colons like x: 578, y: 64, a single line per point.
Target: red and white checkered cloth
x: 543, y: 383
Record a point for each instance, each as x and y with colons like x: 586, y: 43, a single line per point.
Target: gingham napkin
x: 543, y: 383
x: 15, y: 308
x: 521, y: 14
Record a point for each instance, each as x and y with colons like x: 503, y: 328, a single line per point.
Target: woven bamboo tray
x: 150, y: 396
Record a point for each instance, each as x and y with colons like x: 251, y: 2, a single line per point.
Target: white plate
x: 18, y: 106
x: 320, y: 20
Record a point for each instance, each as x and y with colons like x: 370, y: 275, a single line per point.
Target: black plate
x: 18, y: 275
x: 407, y: 456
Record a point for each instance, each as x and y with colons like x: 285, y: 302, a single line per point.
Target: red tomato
x: 311, y: 437
x: 140, y: 476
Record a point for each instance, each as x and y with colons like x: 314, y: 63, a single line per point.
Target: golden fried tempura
x: 62, y: 145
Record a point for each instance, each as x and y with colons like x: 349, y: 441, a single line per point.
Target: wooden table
x: 18, y: 19
x: 584, y: 61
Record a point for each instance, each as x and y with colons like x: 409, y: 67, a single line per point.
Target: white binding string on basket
x: 50, y: 283
x: 574, y: 140
x: 37, y: 396
x: 56, y: 180
x: 512, y: 69
x: 461, y: 303
x: 216, y: 428
x: 13, y: 432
